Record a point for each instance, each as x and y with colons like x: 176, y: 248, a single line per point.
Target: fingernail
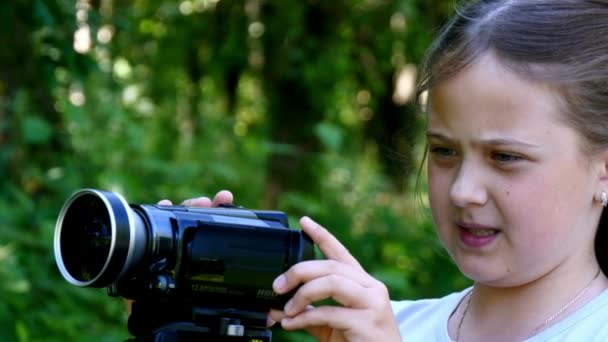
x: 279, y: 283
x: 285, y: 322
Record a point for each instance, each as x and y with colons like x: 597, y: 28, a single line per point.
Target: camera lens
x: 87, y: 238
x: 97, y: 238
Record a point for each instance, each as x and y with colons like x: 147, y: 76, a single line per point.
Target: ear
x: 599, y: 165
x: 601, y: 169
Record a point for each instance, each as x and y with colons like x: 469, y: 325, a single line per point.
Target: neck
x: 516, y: 313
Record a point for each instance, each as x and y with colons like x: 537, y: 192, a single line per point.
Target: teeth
x: 482, y: 232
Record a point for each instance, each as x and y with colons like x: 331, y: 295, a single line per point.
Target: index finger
x: 328, y: 244
x: 222, y: 197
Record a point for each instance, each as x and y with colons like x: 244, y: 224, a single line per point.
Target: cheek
x: 538, y: 230
x: 544, y: 205
x: 439, y: 187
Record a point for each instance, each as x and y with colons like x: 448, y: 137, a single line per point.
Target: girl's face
x: 511, y: 192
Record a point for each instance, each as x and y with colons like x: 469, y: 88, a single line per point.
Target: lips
x: 476, y: 235
x: 475, y: 226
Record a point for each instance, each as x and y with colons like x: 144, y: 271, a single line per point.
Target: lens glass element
x: 86, y: 237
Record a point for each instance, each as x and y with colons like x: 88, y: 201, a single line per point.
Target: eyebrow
x: 490, y: 142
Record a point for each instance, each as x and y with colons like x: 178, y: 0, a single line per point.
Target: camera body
x: 179, y: 264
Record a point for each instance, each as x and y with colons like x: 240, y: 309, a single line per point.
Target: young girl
x: 518, y: 174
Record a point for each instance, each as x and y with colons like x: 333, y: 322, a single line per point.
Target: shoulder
x: 426, y: 317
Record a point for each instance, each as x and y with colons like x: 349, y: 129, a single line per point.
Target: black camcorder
x: 193, y: 273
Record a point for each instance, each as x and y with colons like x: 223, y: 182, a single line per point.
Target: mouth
x: 477, y: 235
x: 481, y: 232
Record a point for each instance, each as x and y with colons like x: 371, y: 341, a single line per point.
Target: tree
x: 289, y: 104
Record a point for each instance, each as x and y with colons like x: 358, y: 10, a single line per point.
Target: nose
x: 468, y: 189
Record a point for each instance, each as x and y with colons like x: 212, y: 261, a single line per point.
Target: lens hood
x: 97, y: 238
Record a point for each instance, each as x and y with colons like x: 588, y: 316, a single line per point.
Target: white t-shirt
x: 427, y: 320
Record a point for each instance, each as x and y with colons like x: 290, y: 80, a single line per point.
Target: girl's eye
x: 443, y: 152
x: 503, y: 157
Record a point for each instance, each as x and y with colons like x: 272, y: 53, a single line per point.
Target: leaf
x: 330, y: 135
x: 22, y: 333
x: 36, y: 130
x: 43, y: 14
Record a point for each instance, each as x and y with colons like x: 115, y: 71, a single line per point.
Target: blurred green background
x: 304, y: 106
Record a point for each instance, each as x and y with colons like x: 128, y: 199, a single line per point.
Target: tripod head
x: 151, y: 322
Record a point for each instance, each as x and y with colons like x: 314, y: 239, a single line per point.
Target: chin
x: 483, y: 274
x: 491, y: 279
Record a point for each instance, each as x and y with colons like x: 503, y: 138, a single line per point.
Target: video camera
x: 201, y: 274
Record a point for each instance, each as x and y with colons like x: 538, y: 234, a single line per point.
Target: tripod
x: 171, y: 323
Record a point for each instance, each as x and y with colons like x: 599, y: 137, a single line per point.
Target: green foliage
x: 287, y: 104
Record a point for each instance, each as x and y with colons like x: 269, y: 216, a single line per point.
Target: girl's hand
x: 364, y: 313
x: 223, y: 197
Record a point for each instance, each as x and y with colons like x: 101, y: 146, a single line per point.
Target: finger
x: 128, y: 305
x: 275, y: 316
x: 343, y: 290
x: 320, y: 333
x: 197, y: 202
x: 307, y: 270
x: 165, y: 202
x: 328, y: 244
x: 334, y: 316
x: 222, y: 197
x: 270, y: 318
x: 355, y: 324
